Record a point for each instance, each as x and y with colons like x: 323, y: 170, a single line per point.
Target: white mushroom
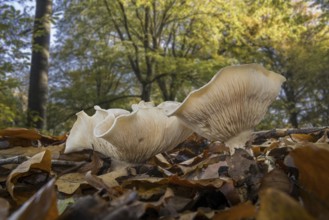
x: 82, y: 136
x: 229, y: 106
x: 143, y: 133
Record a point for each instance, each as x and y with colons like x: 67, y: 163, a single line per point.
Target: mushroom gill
x: 228, y: 107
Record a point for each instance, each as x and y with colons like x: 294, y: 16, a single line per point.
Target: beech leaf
x: 312, y: 164
x: 42, y: 205
x: 275, y: 205
x: 70, y: 182
x: 40, y: 161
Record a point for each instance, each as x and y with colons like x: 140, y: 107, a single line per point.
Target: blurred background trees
x: 113, y: 53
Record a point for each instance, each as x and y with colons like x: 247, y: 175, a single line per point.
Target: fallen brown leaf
x: 312, y: 164
x: 300, y: 138
x: 42, y: 205
x: 28, y: 137
x: 276, y: 179
x: 70, y: 182
x: 30, y: 134
x: 40, y: 161
x: 30, y: 151
x: 240, y: 164
x: 275, y: 205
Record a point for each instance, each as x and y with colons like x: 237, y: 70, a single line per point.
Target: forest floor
x: 286, y: 178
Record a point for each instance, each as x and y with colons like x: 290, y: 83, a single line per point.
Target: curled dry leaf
x: 42, y: 205
x: 94, y: 165
x: 215, y: 183
x: 302, y: 138
x: 40, y: 161
x: 70, y: 182
x: 28, y: 137
x: 312, y: 164
x: 30, y: 151
x: 99, y: 184
x: 110, y: 178
x: 30, y: 134
x: 275, y: 205
x: 96, y: 182
x: 276, y: 179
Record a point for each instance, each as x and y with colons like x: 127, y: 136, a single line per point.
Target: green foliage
x: 14, y: 61
x: 10, y: 104
x: 114, y: 52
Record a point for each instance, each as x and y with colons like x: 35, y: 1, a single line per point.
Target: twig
x: 67, y: 163
x: 14, y: 160
x: 261, y: 136
x: 20, y: 159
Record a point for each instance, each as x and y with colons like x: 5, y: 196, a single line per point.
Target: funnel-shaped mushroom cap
x: 231, y: 104
x: 82, y: 133
x: 143, y: 133
x: 168, y: 106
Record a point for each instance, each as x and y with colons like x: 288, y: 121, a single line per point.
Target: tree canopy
x: 113, y: 53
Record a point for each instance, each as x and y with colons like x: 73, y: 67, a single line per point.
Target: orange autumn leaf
x: 42, y: 205
x: 312, y: 163
x: 275, y: 205
x: 40, y: 161
x: 30, y: 134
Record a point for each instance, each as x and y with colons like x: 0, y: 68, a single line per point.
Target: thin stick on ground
x: 261, y: 136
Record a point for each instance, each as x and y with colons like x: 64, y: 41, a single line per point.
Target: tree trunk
x: 163, y: 89
x: 290, y: 93
x: 38, y: 87
x: 146, y: 92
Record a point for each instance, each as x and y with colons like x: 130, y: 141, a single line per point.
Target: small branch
x: 261, y: 136
x: 67, y: 163
x: 13, y: 160
x: 20, y: 159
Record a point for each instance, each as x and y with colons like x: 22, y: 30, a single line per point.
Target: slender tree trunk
x: 146, y: 92
x: 163, y: 89
x: 38, y: 87
x: 149, y: 72
x: 291, y: 101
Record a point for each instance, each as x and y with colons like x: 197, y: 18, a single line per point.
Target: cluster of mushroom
x: 226, y: 109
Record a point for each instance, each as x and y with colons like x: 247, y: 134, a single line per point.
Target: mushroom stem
x: 238, y: 141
